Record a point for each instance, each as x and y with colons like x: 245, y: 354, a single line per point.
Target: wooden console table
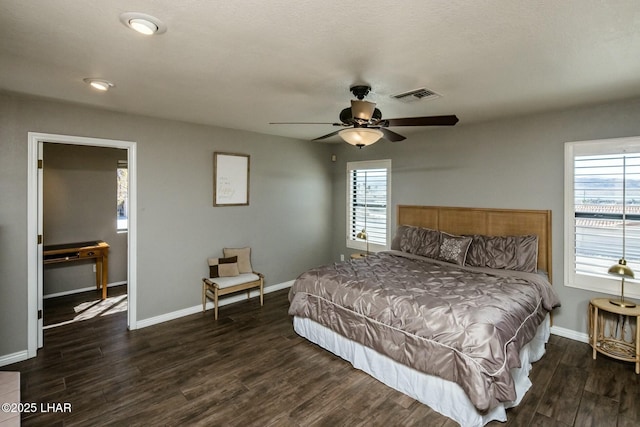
x: 68, y: 252
x: 614, y: 347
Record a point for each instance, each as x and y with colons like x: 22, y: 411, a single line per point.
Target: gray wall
x: 79, y: 198
x: 296, y: 219
x: 513, y: 163
x: 288, y: 223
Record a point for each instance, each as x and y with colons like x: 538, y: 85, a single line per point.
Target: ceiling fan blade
x: 392, y: 136
x: 421, y: 121
x: 307, y: 123
x: 326, y: 136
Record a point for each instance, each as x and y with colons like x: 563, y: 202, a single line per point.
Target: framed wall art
x: 230, y: 179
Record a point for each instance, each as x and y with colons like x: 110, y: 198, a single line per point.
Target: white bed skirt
x: 443, y: 396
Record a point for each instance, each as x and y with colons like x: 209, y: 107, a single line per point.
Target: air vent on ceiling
x: 416, y: 95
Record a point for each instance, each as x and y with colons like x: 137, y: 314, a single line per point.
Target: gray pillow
x: 518, y: 253
x: 417, y: 240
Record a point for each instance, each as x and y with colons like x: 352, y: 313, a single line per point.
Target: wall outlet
x: 94, y: 268
x: 341, y: 257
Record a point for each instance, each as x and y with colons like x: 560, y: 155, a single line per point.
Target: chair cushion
x: 226, y: 282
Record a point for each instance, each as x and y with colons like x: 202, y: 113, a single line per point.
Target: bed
x: 453, y: 315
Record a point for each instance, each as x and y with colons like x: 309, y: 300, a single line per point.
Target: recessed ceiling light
x: 143, y: 23
x: 143, y: 26
x: 99, y: 84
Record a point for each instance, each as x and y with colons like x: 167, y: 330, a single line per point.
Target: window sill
x: 631, y: 289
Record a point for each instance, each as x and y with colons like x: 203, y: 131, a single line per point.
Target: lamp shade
x: 362, y: 110
x: 360, y: 137
x: 621, y: 269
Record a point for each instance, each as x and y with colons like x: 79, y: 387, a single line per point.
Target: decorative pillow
x: 518, y: 253
x: 417, y: 240
x: 454, y: 248
x: 223, y: 267
x: 244, y: 258
x: 400, y: 231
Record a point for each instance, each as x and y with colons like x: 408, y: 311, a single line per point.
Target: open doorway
x: 85, y: 226
x: 126, y: 150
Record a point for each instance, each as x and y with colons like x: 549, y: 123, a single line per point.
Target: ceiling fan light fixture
x: 362, y: 110
x: 360, y: 137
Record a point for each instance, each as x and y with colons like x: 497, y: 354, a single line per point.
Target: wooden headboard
x: 490, y: 222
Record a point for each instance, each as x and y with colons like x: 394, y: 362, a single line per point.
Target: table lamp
x: 363, y: 235
x: 621, y: 269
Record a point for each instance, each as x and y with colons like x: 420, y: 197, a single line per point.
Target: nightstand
x: 618, y: 348
x: 358, y: 256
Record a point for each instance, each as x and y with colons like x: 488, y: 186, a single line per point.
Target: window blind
x: 601, y: 184
x: 368, y: 203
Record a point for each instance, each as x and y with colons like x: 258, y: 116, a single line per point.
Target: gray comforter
x: 463, y: 324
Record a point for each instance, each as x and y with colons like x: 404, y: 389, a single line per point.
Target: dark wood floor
x: 82, y: 306
x: 250, y: 368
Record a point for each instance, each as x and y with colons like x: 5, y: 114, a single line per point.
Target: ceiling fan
x: 364, y: 124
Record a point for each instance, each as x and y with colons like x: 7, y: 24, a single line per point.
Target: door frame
x: 34, y: 226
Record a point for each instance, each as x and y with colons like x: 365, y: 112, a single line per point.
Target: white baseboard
x: 77, y: 291
x: 9, y: 359
x: 571, y: 334
x: 198, y: 308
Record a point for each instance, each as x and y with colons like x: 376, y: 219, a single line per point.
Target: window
x: 601, y: 177
x: 368, y: 204
x: 122, y: 206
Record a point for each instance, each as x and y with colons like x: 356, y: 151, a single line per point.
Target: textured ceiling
x: 242, y: 64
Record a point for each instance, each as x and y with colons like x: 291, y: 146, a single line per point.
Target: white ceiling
x: 244, y: 63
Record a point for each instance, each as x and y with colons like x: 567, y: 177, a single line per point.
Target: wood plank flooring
x: 83, y: 306
x: 250, y: 369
